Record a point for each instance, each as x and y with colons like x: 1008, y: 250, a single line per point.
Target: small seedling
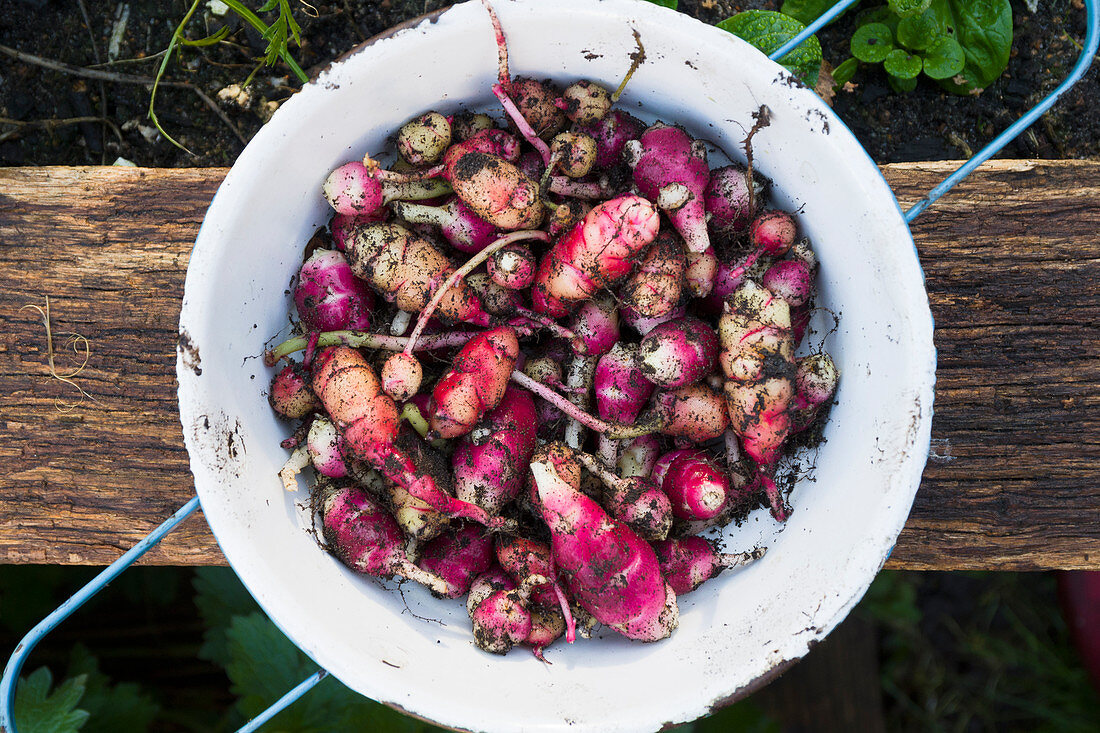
x: 964, y: 46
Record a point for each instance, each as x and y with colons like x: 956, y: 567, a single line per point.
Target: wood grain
x: 1012, y: 261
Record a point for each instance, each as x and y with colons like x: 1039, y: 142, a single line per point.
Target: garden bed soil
x: 38, y: 104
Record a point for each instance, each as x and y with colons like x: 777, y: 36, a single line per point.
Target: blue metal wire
x: 277, y: 707
x: 1092, y: 41
x: 811, y: 29
x: 46, y: 625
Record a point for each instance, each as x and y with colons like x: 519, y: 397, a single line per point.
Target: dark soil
x: 37, y: 105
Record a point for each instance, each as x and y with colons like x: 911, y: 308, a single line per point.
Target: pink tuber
x: 290, y: 394
x: 791, y: 280
x: 671, y: 169
x: 490, y: 465
x: 687, y: 563
x: 596, y: 325
x: 621, y: 386
x: 352, y: 395
x: 512, y: 267
x: 727, y: 199
x: 355, y: 189
x: 701, y: 272
x: 697, y: 489
x: 758, y: 360
x: 423, y: 140
x: 638, y: 456
x: 326, y: 448
x: 679, y: 352
x: 493, y: 188
x: 475, y: 383
x: 644, y: 324
x: 612, y: 132
x: 328, y: 295
x: 407, y: 269
x: 773, y: 232
x: 694, y: 411
x: 636, y: 501
x: 363, y: 536
x: 460, y: 226
x: 458, y: 557
x: 609, y: 570
x: 815, y: 380
x: 655, y: 287
x: 595, y: 254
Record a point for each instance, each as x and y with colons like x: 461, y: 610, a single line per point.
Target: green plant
x: 768, y: 31
x: 977, y: 651
x: 806, y: 11
x: 962, y: 44
x: 262, y: 664
x: 84, y: 701
x: 278, y: 36
x: 38, y: 709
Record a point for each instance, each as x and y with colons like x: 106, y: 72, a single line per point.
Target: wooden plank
x: 1012, y: 263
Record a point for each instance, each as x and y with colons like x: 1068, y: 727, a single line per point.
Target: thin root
x: 762, y: 119
x: 503, y: 75
x: 79, y: 343
x: 637, y: 58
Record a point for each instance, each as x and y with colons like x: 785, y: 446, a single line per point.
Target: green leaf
x: 273, y: 51
x: 37, y: 710
x: 945, y: 59
x: 901, y: 86
x: 892, y: 600
x: 918, y: 32
x: 905, y: 8
x: 844, y: 72
x: 209, y: 40
x: 984, y: 30
x: 219, y: 596
x: 112, y: 708
x: 806, y: 11
x: 902, y: 64
x: 264, y: 665
x: 881, y: 14
x: 872, y: 43
x: 768, y: 30
x: 666, y: 3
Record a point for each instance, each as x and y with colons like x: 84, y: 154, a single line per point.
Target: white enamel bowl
x: 737, y: 631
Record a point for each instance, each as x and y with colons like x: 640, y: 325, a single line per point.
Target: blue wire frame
x: 1092, y: 41
x: 23, y: 650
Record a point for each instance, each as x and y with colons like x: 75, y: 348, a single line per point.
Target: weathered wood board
x: 1012, y: 258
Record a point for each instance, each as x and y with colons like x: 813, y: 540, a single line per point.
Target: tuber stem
x: 463, y: 271
x: 366, y: 340
x: 525, y: 128
x: 613, y: 430
x: 502, y: 45
x: 555, y: 328
x: 582, y: 372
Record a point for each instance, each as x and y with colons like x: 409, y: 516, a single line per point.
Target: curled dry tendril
x: 81, y: 347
